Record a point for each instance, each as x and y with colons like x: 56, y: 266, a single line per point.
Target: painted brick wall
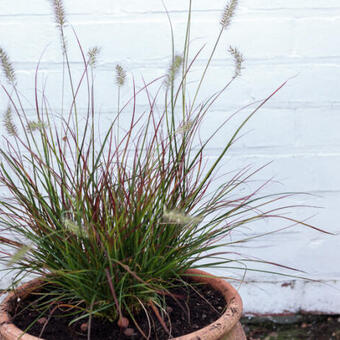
x: 298, y: 130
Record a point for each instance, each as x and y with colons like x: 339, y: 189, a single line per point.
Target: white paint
x: 298, y: 129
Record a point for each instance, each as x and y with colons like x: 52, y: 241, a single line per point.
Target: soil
x: 295, y: 327
x: 205, y: 306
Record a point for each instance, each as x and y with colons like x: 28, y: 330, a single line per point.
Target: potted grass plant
x: 115, y: 225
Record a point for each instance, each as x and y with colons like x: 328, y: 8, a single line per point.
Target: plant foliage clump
x: 114, y: 221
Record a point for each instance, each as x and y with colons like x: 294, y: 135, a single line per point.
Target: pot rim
x: 225, y: 323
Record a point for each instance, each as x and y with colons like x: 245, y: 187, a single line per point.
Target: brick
x: 290, y: 4
x: 90, y: 7
x: 318, y: 127
x: 307, y: 83
x: 173, y: 5
x: 177, y: 5
x: 269, y: 128
x: 25, y: 41
x: 317, y: 37
x: 43, y: 7
x: 134, y: 39
x: 301, y: 172
x: 316, y: 297
x: 28, y: 40
x: 309, y: 297
x: 258, y: 296
x: 22, y: 7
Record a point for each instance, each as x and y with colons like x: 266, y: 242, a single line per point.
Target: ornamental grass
x: 112, y: 220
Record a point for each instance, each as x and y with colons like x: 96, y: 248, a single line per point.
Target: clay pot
x: 227, y: 327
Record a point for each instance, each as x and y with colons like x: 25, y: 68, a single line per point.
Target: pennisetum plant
x: 113, y: 222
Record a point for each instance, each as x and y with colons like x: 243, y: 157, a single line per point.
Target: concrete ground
x: 293, y: 327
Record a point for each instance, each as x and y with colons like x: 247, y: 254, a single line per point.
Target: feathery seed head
x: 9, y: 124
x: 72, y: 227
x: 59, y: 12
x: 60, y: 19
x: 7, y: 67
x: 174, y: 69
x: 177, y: 217
x: 238, y: 60
x: 35, y: 125
x: 120, y: 75
x: 19, y: 255
x: 93, y: 54
x: 228, y: 13
x: 186, y: 126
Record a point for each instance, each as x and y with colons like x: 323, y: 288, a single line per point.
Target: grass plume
x: 60, y: 20
x: 174, y: 69
x: 228, y: 13
x: 93, y: 55
x: 9, y: 124
x: 33, y: 125
x: 120, y: 75
x: 7, y: 67
x: 59, y: 12
x: 238, y: 60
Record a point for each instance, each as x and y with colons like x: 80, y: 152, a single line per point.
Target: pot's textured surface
x: 227, y: 327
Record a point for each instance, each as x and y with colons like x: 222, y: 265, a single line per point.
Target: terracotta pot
x: 227, y: 327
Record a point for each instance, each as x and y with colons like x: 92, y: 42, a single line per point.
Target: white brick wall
x: 298, y: 129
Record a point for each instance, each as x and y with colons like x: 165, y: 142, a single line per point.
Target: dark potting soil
x: 200, y: 306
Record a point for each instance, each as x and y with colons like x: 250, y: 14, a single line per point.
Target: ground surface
x: 296, y: 327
